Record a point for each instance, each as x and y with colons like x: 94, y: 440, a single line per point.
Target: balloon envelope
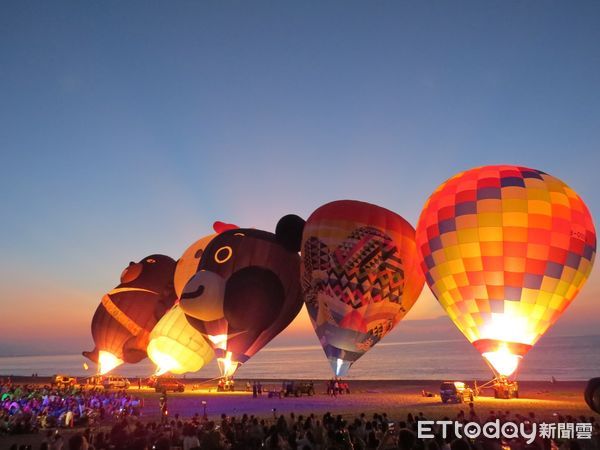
x: 177, y: 347
x: 247, y: 290
x: 126, y: 315
x: 505, y: 249
x: 360, y: 276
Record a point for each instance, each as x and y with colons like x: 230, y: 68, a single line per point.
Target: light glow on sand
x: 107, y: 362
x: 503, y: 361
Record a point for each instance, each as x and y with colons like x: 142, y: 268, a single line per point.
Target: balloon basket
x: 503, y: 387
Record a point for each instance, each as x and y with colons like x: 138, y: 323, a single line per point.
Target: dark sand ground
x: 396, y: 398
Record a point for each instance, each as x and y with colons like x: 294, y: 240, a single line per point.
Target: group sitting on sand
x: 298, y: 432
x: 26, y: 408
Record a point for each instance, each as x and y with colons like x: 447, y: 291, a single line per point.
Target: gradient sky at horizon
x: 127, y: 128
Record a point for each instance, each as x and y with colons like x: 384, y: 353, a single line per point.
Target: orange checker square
x: 515, y: 279
x: 461, y: 279
x: 560, y: 239
x: 515, y: 234
x: 495, y: 292
x: 516, y: 249
x: 557, y: 254
x: 538, y: 251
x: 466, y: 221
x: 489, y: 205
x: 561, y: 224
x: 466, y: 195
x: 476, y: 278
x: 483, y: 305
x: 494, y: 278
x: 491, y: 248
x: 514, y: 193
x: 538, y: 236
x: 493, y: 263
x: 473, y: 264
x: 535, y: 266
x: 539, y: 221
x: 514, y: 264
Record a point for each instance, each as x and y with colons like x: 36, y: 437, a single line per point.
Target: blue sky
x: 127, y: 128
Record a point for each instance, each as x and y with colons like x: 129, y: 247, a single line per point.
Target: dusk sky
x: 128, y: 128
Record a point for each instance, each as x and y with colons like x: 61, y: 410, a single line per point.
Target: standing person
x: 254, y: 390
x: 162, y: 404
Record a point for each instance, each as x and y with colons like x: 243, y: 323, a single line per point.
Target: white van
x: 115, y: 382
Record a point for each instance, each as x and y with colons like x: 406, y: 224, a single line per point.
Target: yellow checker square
x: 557, y: 302
x: 448, y: 282
x: 452, y: 252
x: 538, y: 312
x: 515, y: 219
x: 539, y: 207
x: 544, y: 298
x: 568, y: 274
x: 468, y: 235
x: 456, y: 266
x: 493, y: 219
x: 559, y: 198
x: 538, y: 193
x: 491, y: 249
x: 510, y: 205
x: 490, y: 234
x: 529, y: 295
x: 549, y: 284
x: 561, y: 288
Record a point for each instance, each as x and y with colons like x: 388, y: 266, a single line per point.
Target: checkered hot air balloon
x: 360, y: 276
x: 505, y: 250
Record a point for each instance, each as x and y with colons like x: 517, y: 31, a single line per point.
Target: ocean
x: 565, y: 358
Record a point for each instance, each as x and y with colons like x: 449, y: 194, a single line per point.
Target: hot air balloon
x: 175, y: 346
x: 360, y: 276
x: 505, y: 250
x: 126, y: 315
x: 246, y: 291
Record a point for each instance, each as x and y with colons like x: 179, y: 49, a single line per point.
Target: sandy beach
x: 396, y: 398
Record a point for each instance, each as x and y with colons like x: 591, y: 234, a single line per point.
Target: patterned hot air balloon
x: 360, y: 276
x: 126, y: 315
x: 246, y: 291
x: 505, y: 250
x: 175, y: 346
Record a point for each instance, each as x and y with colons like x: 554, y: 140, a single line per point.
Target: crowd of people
x: 27, y: 408
x: 298, y: 432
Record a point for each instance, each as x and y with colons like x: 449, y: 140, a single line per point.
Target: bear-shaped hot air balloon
x: 505, y: 250
x: 174, y: 345
x: 126, y: 315
x: 360, y: 276
x: 247, y: 290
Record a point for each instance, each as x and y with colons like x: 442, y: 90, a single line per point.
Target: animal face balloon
x: 360, y: 276
x: 505, y: 250
x: 123, y: 320
x: 175, y: 346
x: 246, y: 291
